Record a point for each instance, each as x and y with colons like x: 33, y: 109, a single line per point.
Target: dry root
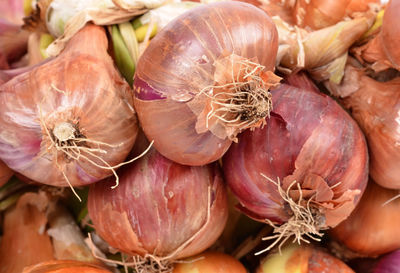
x: 66, y: 138
x: 245, y: 100
x: 305, y: 220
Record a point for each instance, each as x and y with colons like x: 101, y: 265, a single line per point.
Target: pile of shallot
x: 199, y: 136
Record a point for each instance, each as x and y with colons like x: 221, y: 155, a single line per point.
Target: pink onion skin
x: 158, y: 206
x: 389, y: 263
x: 303, y: 126
x: 179, y: 63
x: 80, y: 86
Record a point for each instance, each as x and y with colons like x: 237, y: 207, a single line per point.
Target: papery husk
x: 5, y: 173
x: 380, y: 53
x: 316, y: 49
x: 374, y: 105
x: 283, y: 9
x: 65, y: 266
x: 118, y: 11
x: 24, y: 240
x: 13, y: 43
x: 317, y: 14
x: 79, y: 95
x: 67, y: 238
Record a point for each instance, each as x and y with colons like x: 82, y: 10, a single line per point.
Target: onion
x: 372, y: 228
x: 390, y: 33
x: 160, y: 209
x: 318, y: 14
x: 65, y: 266
x: 70, y: 120
x: 302, y: 259
x: 380, y: 52
x: 210, y: 262
x: 305, y: 170
x: 389, y: 263
x: 24, y: 240
x: 5, y: 173
x: 375, y: 106
x: 191, y: 93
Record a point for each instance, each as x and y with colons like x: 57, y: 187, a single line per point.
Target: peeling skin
x: 308, y: 139
x: 155, y: 222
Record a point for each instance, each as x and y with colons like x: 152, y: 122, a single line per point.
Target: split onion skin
x: 307, y: 134
x: 210, y: 262
x: 372, y: 229
x: 80, y: 87
x: 179, y: 63
x: 158, y: 206
x: 25, y: 241
x: 65, y: 266
x: 302, y: 259
x: 375, y: 106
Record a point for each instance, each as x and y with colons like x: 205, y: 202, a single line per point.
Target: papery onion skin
x: 82, y: 88
x: 372, y: 228
x: 5, y: 173
x: 65, y: 266
x: 390, y: 33
x: 179, y: 63
x: 389, y: 263
x: 24, y: 241
x: 158, y: 206
x: 317, y: 14
x: 210, y: 262
x: 302, y: 259
x: 308, y: 138
x: 375, y: 106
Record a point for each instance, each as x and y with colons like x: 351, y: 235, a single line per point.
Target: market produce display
x: 201, y: 136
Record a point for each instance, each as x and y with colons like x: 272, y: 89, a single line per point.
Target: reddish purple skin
x: 274, y: 149
x: 389, y: 263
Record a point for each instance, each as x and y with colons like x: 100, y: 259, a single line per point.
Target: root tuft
x: 305, y: 220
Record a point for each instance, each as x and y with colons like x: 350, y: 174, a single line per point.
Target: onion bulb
x: 375, y: 106
x: 389, y: 263
x: 381, y: 52
x: 372, y: 228
x: 305, y: 170
x: 5, y: 173
x: 65, y: 266
x: 210, y: 262
x: 160, y: 209
x: 70, y: 120
x: 318, y: 14
x: 302, y: 259
x: 204, y: 78
x: 390, y: 33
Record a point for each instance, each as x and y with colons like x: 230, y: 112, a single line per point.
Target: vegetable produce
x: 389, y: 263
x: 304, y: 171
x: 302, y: 259
x: 372, y: 228
x: 5, y: 173
x: 204, y: 78
x: 210, y: 262
x: 65, y: 266
x: 375, y: 106
x: 381, y: 52
x: 70, y: 120
x: 24, y: 243
x: 161, y: 210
